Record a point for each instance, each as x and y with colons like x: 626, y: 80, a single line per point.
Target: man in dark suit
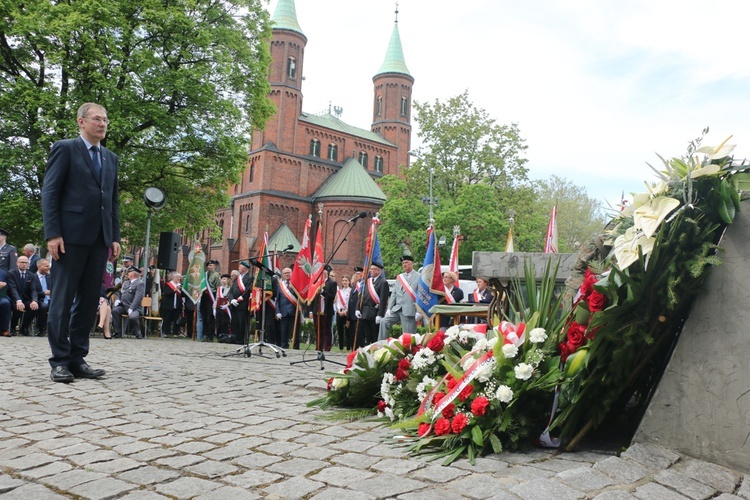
x: 240, y: 298
x: 24, y: 295
x: 171, y: 305
x: 80, y: 207
x: 374, y: 304
x: 328, y: 294
x: 354, y: 295
x: 45, y: 294
x: 131, y: 295
x: 286, y: 309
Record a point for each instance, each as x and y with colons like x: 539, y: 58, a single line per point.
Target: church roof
x: 282, y: 238
x: 329, y: 121
x: 285, y: 17
x: 351, y: 182
x: 394, y: 57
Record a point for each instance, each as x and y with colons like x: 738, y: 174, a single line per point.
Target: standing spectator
x: 208, y: 301
x: 45, y: 294
x: 328, y: 296
x: 221, y: 307
x: 80, y: 207
x: 24, y: 292
x: 341, y: 307
x: 131, y: 295
x: 8, y: 253
x: 4, y: 306
x: 240, y: 296
x: 29, y: 250
x: 105, y: 313
x: 354, y: 295
x: 401, y: 304
x: 286, y: 309
x: 171, y: 306
x: 374, y: 302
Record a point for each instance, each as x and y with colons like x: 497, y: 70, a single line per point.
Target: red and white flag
x: 453, y: 263
x: 317, y: 280
x: 550, y: 245
x: 303, y: 266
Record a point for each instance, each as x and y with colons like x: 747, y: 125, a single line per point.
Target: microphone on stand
x: 360, y: 215
x: 289, y: 247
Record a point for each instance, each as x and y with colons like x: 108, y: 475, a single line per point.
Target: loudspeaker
x: 169, y: 250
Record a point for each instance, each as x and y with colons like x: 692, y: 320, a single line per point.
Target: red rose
x: 576, y: 335
x: 401, y: 374
x: 404, y: 364
x: 442, y: 427
x: 437, y: 397
x: 466, y: 392
x: 450, y: 382
x: 350, y: 358
x: 437, y: 342
x: 459, y: 422
x: 589, y: 279
x: 597, y: 301
x: 382, y: 405
x: 565, y: 350
x: 479, y: 406
x: 423, y: 429
x: 449, y: 411
x: 329, y: 386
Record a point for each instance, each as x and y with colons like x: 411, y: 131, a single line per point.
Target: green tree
x: 184, y: 83
x: 579, y: 217
x: 463, y: 145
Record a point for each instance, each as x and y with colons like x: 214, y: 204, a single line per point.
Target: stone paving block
x: 652, y: 456
x: 557, y: 465
x: 355, y: 460
x: 148, y: 475
x: 170, y: 439
x: 106, y: 487
x: 339, y: 493
x: 585, y: 479
x: 152, y: 454
x: 223, y: 438
x: 47, y: 470
x: 94, y: 457
x: 252, y: 479
x: 256, y: 460
x: 438, y: 474
x: 297, y: 466
x: 143, y: 495
x: 622, y: 470
x: 353, y: 445
x: 398, y: 466
x: 43, y: 436
x: 30, y: 461
x: 296, y: 487
x: 655, y: 491
x: 490, y: 464
x: 76, y: 449
x: 387, y: 450
x: 195, y: 447
x: 523, y: 472
x: 180, y: 461
x: 212, y: 469
x: 133, y: 447
x: 279, y: 448
x: 727, y: 496
x: 9, y: 444
x: 7, y: 483
x: 714, y: 475
x: 341, y: 476
x: 314, y: 452
x: 614, y: 495
x: 228, y: 493
x: 480, y: 485
x: 69, y: 479
x: 33, y: 491
x: 744, y: 489
x: 115, y: 466
x: 387, y: 485
x: 684, y: 484
x: 432, y: 494
x: 186, y: 487
x: 545, y: 488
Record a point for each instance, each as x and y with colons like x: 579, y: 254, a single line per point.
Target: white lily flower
x: 650, y: 215
x: 720, y: 151
x: 626, y: 247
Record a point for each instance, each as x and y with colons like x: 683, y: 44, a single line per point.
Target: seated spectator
x: 24, y: 292
x: 129, y: 303
x: 4, y: 306
x: 45, y: 289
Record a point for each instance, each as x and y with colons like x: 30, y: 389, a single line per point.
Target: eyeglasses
x: 98, y: 119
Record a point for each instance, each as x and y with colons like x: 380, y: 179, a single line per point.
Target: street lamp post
x: 430, y: 200
x: 155, y: 199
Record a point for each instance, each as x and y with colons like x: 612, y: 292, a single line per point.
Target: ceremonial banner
x: 453, y: 262
x: 372, y: 247
x: 430, y: 288
x: 303, y: 266
x: 316, y: 277
x: 195, y: 279
x: 551, y: 242
x: 259, y: 286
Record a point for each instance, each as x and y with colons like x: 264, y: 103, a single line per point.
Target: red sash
x: 240, y: 284
x: 287, y: 293
x: 373, y: 293
x: 340, y: 299
x: 401, y: 278
x: 449, y: 297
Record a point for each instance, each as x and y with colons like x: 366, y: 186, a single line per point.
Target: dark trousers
x: 370, y: 329
x: 222, y: 323
x: 207, y: 314
x: 342, y: 333
x: 169, y: 324
x: 239, y: 323
x: 77, y: 277
x: 4, y: 314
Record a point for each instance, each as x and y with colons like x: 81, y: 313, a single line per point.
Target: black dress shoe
x: 85, y: 371
x: 61, y: 374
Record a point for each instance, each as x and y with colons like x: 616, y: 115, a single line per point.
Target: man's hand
x: 33, y: 306
x: 278, y: 315
x: 418, y: 317
x: 378, y: 319
x: 358, y: 314
x: 20, y: 306
x: 115, y: 251
x: 130, y: 311
x: 234, y: 302
x: 387, y: 313
x: 56, y: 247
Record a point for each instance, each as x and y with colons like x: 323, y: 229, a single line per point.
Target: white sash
x: 341, y: 300
x: 240, y: 284
x: 405, y: 285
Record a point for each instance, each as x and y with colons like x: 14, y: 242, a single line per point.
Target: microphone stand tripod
x: 321, y: 355
x: 248, y: 348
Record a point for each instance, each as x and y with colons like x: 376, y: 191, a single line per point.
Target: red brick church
x: 302, y: 160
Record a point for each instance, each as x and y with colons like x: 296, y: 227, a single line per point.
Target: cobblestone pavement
x: 175, y: 419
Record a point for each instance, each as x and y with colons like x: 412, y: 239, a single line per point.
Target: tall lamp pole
x: 155, y: 199
x: 417, y: 154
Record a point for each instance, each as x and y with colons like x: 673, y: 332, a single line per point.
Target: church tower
x: 391, y: 114
x: 287, y: 54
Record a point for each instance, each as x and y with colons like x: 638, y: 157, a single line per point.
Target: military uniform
x: 8, y: 256
x: 131, y: 296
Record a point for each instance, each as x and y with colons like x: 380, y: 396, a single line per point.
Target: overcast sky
x: 596, y: 87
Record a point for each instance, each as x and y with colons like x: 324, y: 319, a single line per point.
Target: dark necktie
x: 97, y: 164
x: 23, y: 276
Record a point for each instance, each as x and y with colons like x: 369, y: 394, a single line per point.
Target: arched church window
x: 291, y: 68
x: 404, y: 106
x: 333, y: 152
x: 315, y: 148
x: 363, y: 159
x: 379, y: 164
x: 379, y: 109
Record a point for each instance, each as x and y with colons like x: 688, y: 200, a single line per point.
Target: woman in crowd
x: 341, y: 307
x: 104, y: 313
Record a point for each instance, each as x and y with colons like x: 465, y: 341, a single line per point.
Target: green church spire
x: 394, y: 56
x: 285, y: 17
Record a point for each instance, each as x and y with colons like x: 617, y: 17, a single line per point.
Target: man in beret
x: 131, y: 296
x: 374, y: 303
x: 8, y: 253
x: 401, y: 305
x: 239, y: 300
x: 354, y: 295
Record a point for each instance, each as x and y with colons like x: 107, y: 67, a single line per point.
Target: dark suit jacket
x: 168, y: 302
x: 353, y: 302
x: 4, y: 291
x: 369, y: 308
x: 26, y: 291
x: 74, y: 202
x: 234, y: 291
x: 283, y: 305
x: 329, y: 294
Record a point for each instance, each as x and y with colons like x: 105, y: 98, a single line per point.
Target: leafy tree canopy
x: 184, y: 83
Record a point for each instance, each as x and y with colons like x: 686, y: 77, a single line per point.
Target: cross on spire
x: 396, y: 11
